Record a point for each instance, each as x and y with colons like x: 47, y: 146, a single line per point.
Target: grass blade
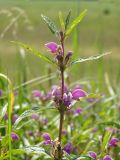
x: 10, y: 106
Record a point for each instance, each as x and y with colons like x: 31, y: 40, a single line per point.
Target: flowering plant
x: 64, y: 98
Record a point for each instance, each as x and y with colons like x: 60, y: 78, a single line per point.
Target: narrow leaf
x: 106, y: 139
x: 67, y: 20
x: 61, y: 21
x: 111, y: 123
x: 80, y: 60
x: 3, y: 111
x: 50, y: 24
x: 43, y: 57
x: 94, y: 96
x: 75, y: 23
x: 9, y: 109
x: 35, y: 150
x: 84, y: 157
x: 28, y: 113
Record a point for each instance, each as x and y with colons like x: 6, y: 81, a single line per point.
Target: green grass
x: 97, y: 33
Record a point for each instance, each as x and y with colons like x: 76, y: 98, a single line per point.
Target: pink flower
x: 78, y: 93
x: 14, y: 136
x: 92, y: 154
x: 78, y: 111
x: 36, y: 94
x: 67, y: 98
x: 68, y: 147
x: 107, y: 157
x: 47, y: 139
x: 52, y: 46
x: 113, y: 142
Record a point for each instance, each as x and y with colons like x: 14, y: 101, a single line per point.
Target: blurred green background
x: 98, y: 33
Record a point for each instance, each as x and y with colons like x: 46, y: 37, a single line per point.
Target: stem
x: 62, y: 68
x: 62, y: 93
x: 62, y: 87
x: 61, y: 125
x: 62, y: 44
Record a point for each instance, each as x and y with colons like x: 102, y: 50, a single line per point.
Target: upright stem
x: 61, y: 125
x: 62, y: 69
x: 62, y: 93
x: 62, y: 87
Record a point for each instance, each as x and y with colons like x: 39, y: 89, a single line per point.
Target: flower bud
x: 67, y: 58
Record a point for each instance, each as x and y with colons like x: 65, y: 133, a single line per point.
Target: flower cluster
x: 68, y: 97
x: 57, y: 51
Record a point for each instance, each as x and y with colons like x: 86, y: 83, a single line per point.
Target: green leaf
x: 75, y: 23
x: 3, y: 111
x: 69, y: 157
x: 106, y: 139
x: 50, y: 24
x: 84, y: 157
x: 22, y: 116
x: 94, y: 96
x: 29, y: 149
x: 61, y: 21
x: 9, y: 109
x: 35, y: 150
x: 43, y: 57
x: 80, y: 60
x: 67, y: 20
x: 111, y: 123
x: 28, y: 113
x: 18, y: 151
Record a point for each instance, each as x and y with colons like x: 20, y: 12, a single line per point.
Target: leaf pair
x: 64, y: 25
